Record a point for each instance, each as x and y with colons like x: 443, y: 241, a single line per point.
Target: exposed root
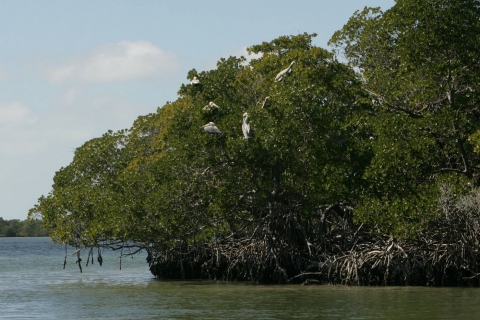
x: 335, y: 251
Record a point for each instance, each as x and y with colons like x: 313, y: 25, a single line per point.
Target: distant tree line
x: 25, y: 228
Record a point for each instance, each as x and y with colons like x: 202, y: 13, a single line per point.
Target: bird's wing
x: 246, y: 130
x: 212, y: 129
x: 279, y: 76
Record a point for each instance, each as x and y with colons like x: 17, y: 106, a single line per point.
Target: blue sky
x: 71, y: 70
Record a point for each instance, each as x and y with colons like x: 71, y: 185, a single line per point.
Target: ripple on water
x: 33, y: 285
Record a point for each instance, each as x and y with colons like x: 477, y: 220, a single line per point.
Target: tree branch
x: 409, y: 112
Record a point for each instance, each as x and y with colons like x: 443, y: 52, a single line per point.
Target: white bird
x: 211, y: 128
x: 246, y: 126
x: 194, y: 81
x: 213, y: 105
x: 284, y: 72
x: 265, y: 101
x: 210, y: 106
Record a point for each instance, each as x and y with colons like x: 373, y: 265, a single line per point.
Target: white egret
x: 265, y: 101
x: 194, y: 81
x: 284, y: 72
x: 211, y: 128
x: 246, y: 126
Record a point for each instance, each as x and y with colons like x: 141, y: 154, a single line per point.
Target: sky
x: 72, y: 70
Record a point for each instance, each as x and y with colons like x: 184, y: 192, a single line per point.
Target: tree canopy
x: 335, y: 148
x: 419, y: 61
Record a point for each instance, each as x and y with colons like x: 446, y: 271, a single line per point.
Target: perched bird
x: 210, y: 106
x: 284, y: 72
x: 194, y: 81
x: 211, y: 128
x: 213, y: 105
x: 265, y: 101
x: 246, y: 126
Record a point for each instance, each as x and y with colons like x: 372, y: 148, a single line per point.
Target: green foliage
x: 373, y: 140
x: 166, y: 180
x: 419, y: 62
x: 284, y: 44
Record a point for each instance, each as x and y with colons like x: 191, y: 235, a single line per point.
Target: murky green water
x: 34, y: 285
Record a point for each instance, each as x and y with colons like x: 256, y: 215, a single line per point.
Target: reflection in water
x: 34, y: 285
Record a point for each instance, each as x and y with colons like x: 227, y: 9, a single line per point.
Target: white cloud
x: 123, y: 61
x: 16, y: 121
x: 15, y: 113
x: 72, y: 119
x: 67, y: 97
x: 41, y: 123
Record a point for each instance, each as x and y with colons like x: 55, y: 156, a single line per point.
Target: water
x: 34, y: 285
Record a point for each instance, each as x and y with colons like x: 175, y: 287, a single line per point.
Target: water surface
x: 33, y: 284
